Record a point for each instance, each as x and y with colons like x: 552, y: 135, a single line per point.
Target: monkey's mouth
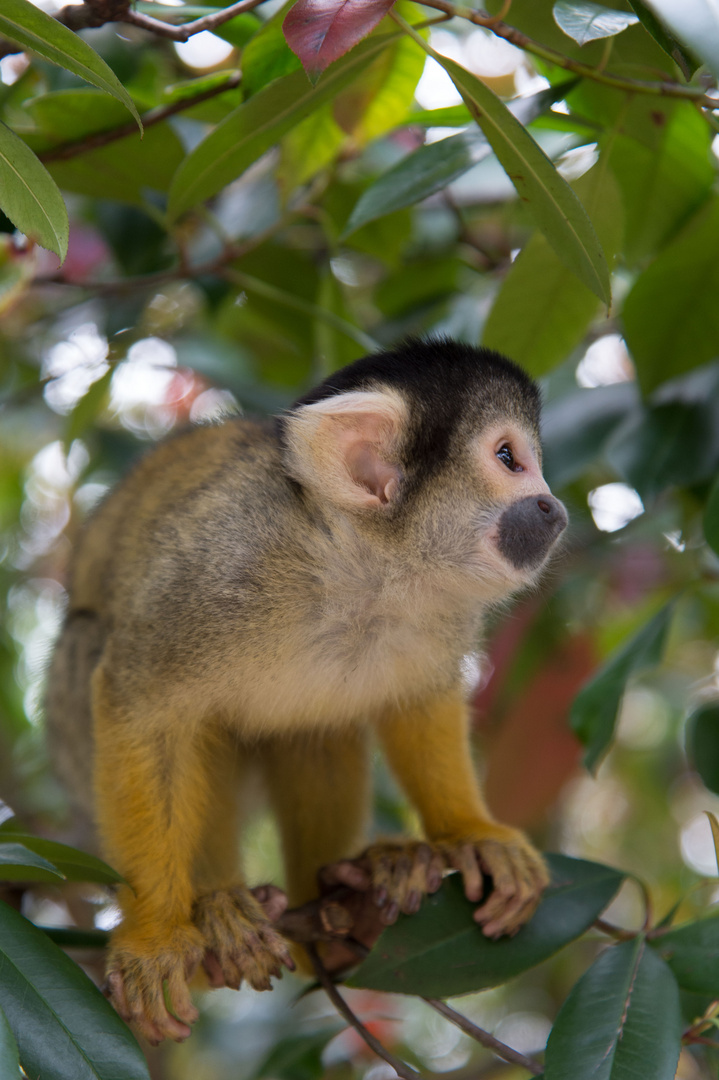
x: 528, y: 528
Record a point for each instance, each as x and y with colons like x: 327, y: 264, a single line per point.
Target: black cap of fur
x: 449, y: 386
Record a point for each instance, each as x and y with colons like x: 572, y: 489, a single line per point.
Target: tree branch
x: 402, y: 1069
x: 154, y: 116
x: 666, y: 88
x: 483, y: 1037
x: 183, y: 33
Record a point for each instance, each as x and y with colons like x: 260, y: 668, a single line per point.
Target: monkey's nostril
x: 544, y: 506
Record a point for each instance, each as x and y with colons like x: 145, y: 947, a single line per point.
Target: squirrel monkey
x: 265, y: 595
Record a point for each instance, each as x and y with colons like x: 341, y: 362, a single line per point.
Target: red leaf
x: 320, y: 31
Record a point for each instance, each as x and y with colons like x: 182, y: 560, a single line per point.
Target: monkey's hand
x: 147, y: 977
x: 239, y: 938
x: 397, y: 873
x: 517, y: 870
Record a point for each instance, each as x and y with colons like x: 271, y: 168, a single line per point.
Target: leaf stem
x: 400, y: 1067
x: 484, y: 1038
x: 154, y: 116
x: 615, y: 931
x: 183, y: 33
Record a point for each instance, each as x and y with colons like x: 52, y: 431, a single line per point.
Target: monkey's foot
x: 147, y: 980
x: 240, y: 941
x: 398, y: 874
x: 517, y: 870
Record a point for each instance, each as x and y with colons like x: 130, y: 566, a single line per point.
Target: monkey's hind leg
x: 235, y: 922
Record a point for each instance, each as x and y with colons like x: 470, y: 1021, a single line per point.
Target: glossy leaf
x: 70, y: 937
x: 696, y: 23
x: 703, y: 743
x: 576, y: 426
x: 65, y: 1029
x: 441, y: 951
x: 663, y: 341
x: 556, y: 209
x: 321, y: 31
x: 692, y: 952
x: 267, y: 55
x: 664, y: 171
x: 75, y: 865
x: 258, y: 124
x: 9, y: 1054
x: 672, y: 47
x: 432, y: 167
x: 18, y: 863
x: 542, y: 310
x: 594, y: 711
x: 649, y: 450
x: 711, y: 518
x: 38, y: 32
x: 584, y: 21
x: 621, y: 1021
x: 29, y: 195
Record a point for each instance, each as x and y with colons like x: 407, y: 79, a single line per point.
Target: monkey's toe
x: 240, y: 941
x: 518, y: 873
x: 148, y: 986
x: 398, y: 874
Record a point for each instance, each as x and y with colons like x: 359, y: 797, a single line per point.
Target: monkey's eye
x: 506, y: 456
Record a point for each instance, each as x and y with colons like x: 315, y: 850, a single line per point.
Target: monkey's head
x: 434, y: 446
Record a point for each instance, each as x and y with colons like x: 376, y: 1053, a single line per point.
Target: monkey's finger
x: 182, y: 1008
x: 347, y: 872
x: 417, y: 881
x: 272, y: 899
x: 435, y: 872
x: 464, y: 858
x: 213, y: 970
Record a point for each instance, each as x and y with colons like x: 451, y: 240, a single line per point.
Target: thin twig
x: 481, y: 1036
x: 183, y: 33
x: 154, y: 116
x: 667, y: 88
x: 400, y: 1067
x: 615, y: 931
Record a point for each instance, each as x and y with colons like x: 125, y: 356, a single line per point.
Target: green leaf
x: 671, y: 317
x: 267, y: 55
x: 18, y: 863
x: 622, y: 1020
x: 576, y: 426
x: 73, y: 864
x: 692, y: 952
x: 29, y: 195
x: 542, y: 310
x: 70, y: 937
x: 556, y: 209
x: 681, y: 56
x: 649, y: 450
x: 703, y: 743
x: 65, y: 1029
x: 441, y: 951
x: 594, y: 711
x: 433, y: 167
x: 585, y: 21
x: 661, y: 157
x: 88, y: 408
x: 711, y: 518
x: 298, y: 1057
x: 696, y: 24
x: 21, y: 21
x: 259, y: 123
x: 9, y: 1054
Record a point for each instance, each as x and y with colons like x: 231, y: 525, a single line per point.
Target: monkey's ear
x: 343, y: 447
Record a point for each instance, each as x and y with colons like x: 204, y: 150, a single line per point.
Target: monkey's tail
x: 69, y: 714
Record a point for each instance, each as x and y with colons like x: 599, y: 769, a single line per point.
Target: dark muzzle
x: 528, y: 528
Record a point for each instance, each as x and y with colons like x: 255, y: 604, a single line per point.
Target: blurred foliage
x: 264, y: 232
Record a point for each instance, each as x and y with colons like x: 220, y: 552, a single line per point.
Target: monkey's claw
x: 240, y: 942
x: 148, y: 985
x: 518, y: 873
x: 399, y: 875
